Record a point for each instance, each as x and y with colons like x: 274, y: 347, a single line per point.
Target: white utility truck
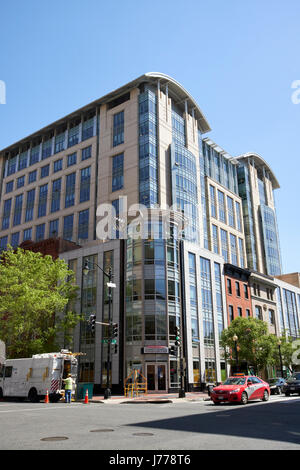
x: 32, y: 377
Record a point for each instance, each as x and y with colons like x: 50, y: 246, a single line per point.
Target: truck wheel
x: 33, y: 396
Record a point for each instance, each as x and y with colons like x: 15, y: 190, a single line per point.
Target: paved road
x: 173, y: 426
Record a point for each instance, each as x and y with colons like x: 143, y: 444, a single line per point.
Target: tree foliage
x: 36, y: 293
x: 255, y: 345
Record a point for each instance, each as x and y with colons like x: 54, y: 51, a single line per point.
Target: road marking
x: 39, y: 409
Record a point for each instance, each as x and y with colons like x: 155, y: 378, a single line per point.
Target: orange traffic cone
x: 86, y: 400
x: 47, y: 397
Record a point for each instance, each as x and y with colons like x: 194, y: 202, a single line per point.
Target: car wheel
x: 244, y: 398
x: 33, y: 396
x: 265, y: 396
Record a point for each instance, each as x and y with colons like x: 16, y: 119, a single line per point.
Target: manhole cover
x: 102, y: 430
x: 143, y: 434
x: 55, y: 438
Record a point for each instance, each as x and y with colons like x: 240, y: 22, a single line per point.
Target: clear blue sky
x: 238, y: 59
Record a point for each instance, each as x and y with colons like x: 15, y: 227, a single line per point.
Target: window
x: 3, y: 243
x: 240, y: 312
x: 83, y: 224
x: 85, y: 180
x: 224, y: 245
x: 248, y: 313
x: 53, y: 228
x: 60, y: 142
x: 88, y: 129
x: 23, y: 160
x: 40, y: 232
x: 34, y: 155
x: 233, y: 248
x: 237, y: 289
x: 230, y: 211
x: 258, y: 312
x: 30, y: 205
x: 70, y: 190
x: 68, y: 227
x: 56, y: 188
x: 57, y: 165
x: 72, y: 159
x: 231, y: 315
x: 42, y: 206
x: 246, y: 291
x: 18, y: 209
x: 20, y: 182
x: 117, y: 172
x: 241, y: 249
x: 212, y: 201
x: 86, y: 153
x: 32, y: 177
x: 229, y: 287
x: 45, y: 171
x: 215, y: 239
x: 15, y: 239
x: 9, y: 186
x: 221, y: 204
x: 73, y: 137
x: 271, y: 317
x: 6, y: 214
x: 118, y: 129
x: 27, y: 234
x: 238, y: 216
x: 46, y: 149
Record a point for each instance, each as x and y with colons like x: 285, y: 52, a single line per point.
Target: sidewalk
x: 151, y: 398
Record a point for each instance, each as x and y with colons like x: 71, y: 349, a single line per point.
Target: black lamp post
x: 235, y: 338
x: 280, y: 357
x: 110, y: 285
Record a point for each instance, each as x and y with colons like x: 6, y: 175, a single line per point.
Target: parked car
x: 292, y: 385
x: 276, y: 385
x: 241, y: 389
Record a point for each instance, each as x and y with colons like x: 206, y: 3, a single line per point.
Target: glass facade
x: 148, y: 169
x: 271, y: 240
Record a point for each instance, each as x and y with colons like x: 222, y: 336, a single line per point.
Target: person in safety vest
x: 68, y: 388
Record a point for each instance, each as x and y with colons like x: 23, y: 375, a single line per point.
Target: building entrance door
x: 156, y: 377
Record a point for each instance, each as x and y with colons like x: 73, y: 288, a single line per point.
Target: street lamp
x: 110, y: 285
x: 235, y: 338
x: 280, y: 356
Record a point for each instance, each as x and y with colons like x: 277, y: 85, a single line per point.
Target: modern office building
x: 288, y: 304
x: 143, y: 144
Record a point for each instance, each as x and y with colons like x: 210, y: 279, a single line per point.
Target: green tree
x: 255, y: 345
x: 36, y: 295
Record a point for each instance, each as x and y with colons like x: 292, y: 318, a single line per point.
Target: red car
x: 241, y: 389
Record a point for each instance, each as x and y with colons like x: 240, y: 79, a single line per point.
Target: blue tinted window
x: 32, y: 177
x: 86, y: 153
x: 118, y: 129
x: 20, y: 182
x: 71, y: 159
x: 40, y: 232
x: 57, y: 166
x: 6, y: 214
x: 70, y: 190
x: 15, y: 238
x: 42, y: 207
x: 68, y: 227
x: 30, y: 205
x: 85, y: 180
x: 83, y: 224
x: 53, y: 228
x: 56, y: 188
x: 45, y: 171
x: 27, y: 234
x: 117, y: 172
x: 18, y: 209
x: 9, y: 186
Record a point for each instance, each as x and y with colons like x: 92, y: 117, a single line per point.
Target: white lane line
x: 38, y: 409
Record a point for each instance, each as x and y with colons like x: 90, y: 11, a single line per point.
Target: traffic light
x: 115, y: 330
x: 92, y: 323
x: 177, y: 336
x: 173, y: 350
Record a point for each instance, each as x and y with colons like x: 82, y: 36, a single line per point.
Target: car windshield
x: 294, y: 377
x: 235, y: 381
